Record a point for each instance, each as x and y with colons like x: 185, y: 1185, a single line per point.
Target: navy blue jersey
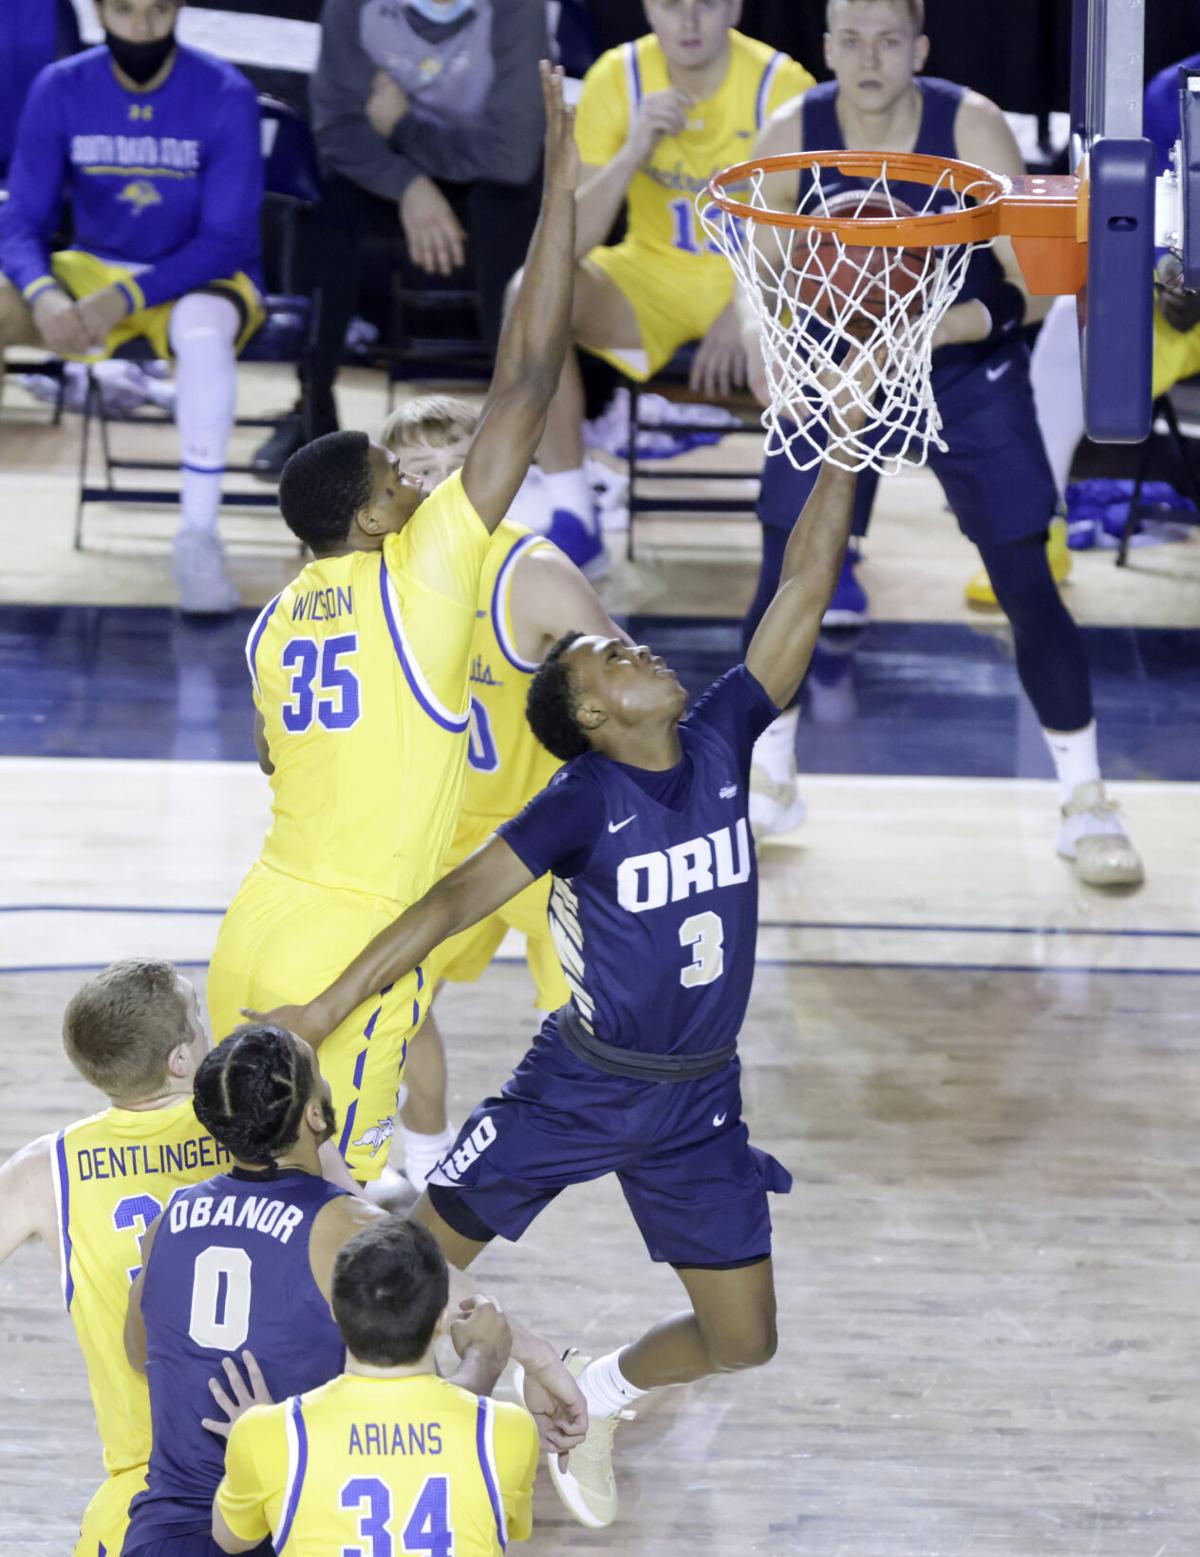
x: 654, y: 903
x: 169, y: 180
x: 228, y: 1271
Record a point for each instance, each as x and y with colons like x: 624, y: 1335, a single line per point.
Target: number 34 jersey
x: 654, y: 903
x: 360, y: 671
x: 228, y: 1270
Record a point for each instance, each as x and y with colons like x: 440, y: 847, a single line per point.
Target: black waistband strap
x: 615, y: 1061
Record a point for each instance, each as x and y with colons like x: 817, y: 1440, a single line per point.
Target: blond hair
x: 915, y: 9
x: 120, y: 1027
x: 437, y: 420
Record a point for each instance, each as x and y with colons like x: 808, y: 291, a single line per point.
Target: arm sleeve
x: 737, y: 708
x: 434, y: 566
x: 559, y: 828
x: 504, y: 143
x: 791, y: 79
x: 231, y: 203
x: 337, y: 94
x: 517, y: 1455
x: 255, y: 1472
x: 602, y: 115
x: 35, y: 188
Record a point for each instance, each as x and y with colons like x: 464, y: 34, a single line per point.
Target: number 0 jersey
x: 113, y: 1174
x: 507, y: 765
x: 359, y: 670
x: 364, y: 1464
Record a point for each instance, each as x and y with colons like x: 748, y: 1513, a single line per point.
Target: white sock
x: 605, y: 1387
x: 531, y: 506
x: 1057, y: 392
x: 1075, y: 758
x: 569, y: 489
x: 203, y: 330
x: 775, y: 749
x: 422, y: 1153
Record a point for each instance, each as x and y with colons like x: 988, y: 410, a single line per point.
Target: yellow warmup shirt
x: 360, y: 673
x: 720, y: 131
x: 113, y: 1174
x: 373, y: 1464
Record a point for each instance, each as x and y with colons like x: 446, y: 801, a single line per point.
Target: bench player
x: 389, y: 1445
x: 654, y: 909
x: 90, y: 1191
x: 656, y: 119
x: 243, y: 1264
x: 995, y: 473
x: 359, y: 670
x: 530, y: 594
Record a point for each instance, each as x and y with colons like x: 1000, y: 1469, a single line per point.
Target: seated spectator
x: 34, y: 34
x: 389, y: 1445
x: 656, y: 120
x: 428, y: 121
x: 156, y: 147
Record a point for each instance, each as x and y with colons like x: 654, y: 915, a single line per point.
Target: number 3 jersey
x: 113, y: 1174
x: 654, y: 901
x: 228, y: 1271
x: 360, y: 670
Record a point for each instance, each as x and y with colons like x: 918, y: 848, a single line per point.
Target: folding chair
x: 1164, y: 412
x: 291, y: 178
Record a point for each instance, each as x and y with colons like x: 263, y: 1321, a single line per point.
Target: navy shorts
x: 194, y: 1544
x: 995, y: 473
x: 696, y: 1187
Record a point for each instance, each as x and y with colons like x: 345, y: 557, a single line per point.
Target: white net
x: 822, y: 306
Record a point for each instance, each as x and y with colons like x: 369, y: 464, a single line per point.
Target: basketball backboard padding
x: 1117, y: 316
x: 1188, y: 172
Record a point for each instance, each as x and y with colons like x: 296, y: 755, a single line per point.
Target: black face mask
x: 141, y: 62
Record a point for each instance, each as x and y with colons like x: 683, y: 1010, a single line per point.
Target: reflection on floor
x: 895, y: 697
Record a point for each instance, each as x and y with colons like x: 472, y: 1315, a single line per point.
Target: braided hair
x: 251, y: 1092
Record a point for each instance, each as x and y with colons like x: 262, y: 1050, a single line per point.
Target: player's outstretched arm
x: 27, y: 1197
x: 550, y: 597
x: 135, y: 1325
x: 783, y: 643
x: 536, y: 333
x: 469, y: 893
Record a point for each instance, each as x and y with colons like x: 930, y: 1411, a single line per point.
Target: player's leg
x: 428, y: 1135
x: 998, y: 482
x: 776, y: 805
x: 203, y: 332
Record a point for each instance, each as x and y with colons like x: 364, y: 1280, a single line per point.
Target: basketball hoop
x: 860, y: 274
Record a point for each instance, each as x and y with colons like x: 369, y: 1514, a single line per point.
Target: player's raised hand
x: 562, y: 152
x: 658, y: 114
x: 242, y: 1394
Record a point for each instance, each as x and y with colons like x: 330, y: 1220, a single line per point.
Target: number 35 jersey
x: 654, y: 902
x: 360, y: 671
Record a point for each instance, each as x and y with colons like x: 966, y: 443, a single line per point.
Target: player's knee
x: 751, y: 1345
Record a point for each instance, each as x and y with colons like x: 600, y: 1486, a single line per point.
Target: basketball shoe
x: 982, y: 596
x: 584, y: 546
x: 1093, y: 838
x: 201, y: 575
x: 587, y: 1487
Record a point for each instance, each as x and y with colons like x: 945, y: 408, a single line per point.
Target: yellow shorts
x: 106, y: 1518
x: 463, y: 957
x: 81, y: 274
x: 1176, y: 354
x: 673, y: 300
x: 281, y: 942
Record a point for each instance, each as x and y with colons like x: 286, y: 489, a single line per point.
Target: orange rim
x: 1031, y: 206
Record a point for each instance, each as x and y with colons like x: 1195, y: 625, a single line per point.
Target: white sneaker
x: 588, y: 1487
x: 201, y: 576
x: 776, y: 806
x: 1093, y: 838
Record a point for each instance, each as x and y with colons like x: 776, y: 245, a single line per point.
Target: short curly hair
x: 551, y: 702
x: 323, y: 486
x: 250, y: 1093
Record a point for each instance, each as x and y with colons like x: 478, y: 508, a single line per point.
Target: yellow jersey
x: 113, y: 1174
x: 359, y: 670
x: 719, y: 132
x: 411, y: 1464
x: 506, y: 764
